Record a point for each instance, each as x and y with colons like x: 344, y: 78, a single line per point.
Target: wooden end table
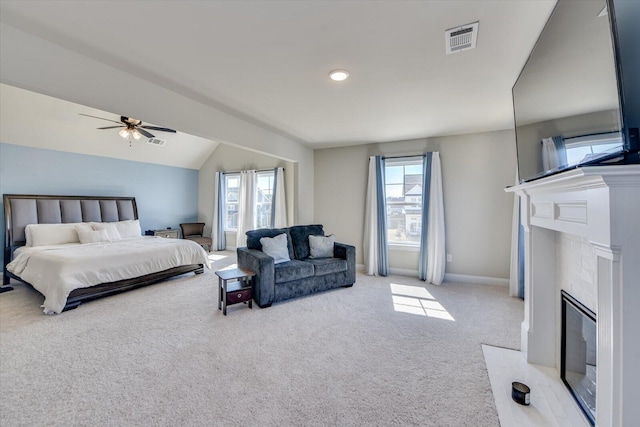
x: 238, y: 291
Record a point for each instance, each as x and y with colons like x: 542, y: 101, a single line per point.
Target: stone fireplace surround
x: 596, y: 208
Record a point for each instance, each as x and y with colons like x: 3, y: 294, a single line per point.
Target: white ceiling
x: 37, y: 120
x: 268, y: 61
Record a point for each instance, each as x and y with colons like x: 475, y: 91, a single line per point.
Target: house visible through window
x: 263, y: 197
x: 403, y: 188
x: 232, y: 189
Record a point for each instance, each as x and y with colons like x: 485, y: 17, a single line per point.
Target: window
x: 584, y: 148
x: 263, y: 197
x: 403, y: 187
x: 232, y: 190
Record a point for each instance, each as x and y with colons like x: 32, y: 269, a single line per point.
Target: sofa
x: 276, y: 280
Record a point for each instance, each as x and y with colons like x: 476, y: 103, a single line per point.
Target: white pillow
x: 109, y: 227
x: 321, y: 246
x: 276, y: 248
x: 93, y: 236
x: 83, y: 226
x: 129, y: 228
x: 50, y: 234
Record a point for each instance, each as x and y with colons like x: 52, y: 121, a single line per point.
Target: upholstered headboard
x: 21, y: 210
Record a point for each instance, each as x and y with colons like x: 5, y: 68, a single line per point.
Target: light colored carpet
x: 384, y: 352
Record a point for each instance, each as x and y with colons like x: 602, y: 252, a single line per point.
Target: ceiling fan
x: 131, y: 127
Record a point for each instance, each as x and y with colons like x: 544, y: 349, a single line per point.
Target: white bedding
x: 57, y: 270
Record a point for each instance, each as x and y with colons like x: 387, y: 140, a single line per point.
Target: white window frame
x: 406, y: 246
x: 226, y: 194
x: 260, y: 174
x: 591, y: 142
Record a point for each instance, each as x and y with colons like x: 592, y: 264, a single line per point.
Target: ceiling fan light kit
x: 131, y: 128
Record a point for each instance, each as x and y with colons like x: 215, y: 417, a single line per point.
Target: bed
x: 64, y: 247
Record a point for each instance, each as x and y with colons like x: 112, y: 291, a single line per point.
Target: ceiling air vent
x: 461, y: 38
x: 156, y: 141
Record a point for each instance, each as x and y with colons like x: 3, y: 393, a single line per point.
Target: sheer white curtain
x: 279, y: 207
x: 376, y: 259
x: 435, y: 256
x: 554, y: 153
x: 246, y: 206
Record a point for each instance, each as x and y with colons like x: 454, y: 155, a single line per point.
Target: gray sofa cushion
x: 292, y: 270
x: 328, y: 265
x: 300, y: 238
x: 254, y: 236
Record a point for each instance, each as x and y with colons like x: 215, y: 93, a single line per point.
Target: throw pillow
x: 50, y: 234
x: 321, y: 246
x: 276, y: 248
x: 110, y: 227
x: 93, y: 236
x: 128, y: 228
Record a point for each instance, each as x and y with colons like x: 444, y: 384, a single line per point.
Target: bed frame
x: 21, y: 210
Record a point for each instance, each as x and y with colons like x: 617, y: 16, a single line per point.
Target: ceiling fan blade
x: 111, y: 127
x: 96, y: 117
x: 145, y: 133
x: 158, y: 128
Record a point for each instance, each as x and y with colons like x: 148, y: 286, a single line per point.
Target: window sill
x: 403, y: 248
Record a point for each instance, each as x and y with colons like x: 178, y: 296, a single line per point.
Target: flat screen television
x: 567, y: 99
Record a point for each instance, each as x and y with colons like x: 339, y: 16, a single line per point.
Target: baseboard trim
x: 449, y: 277
x: 476, y: 280
x: 403, y: 272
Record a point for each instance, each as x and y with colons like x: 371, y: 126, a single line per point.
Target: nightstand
x: 238, y: 291
x: 169, y: 234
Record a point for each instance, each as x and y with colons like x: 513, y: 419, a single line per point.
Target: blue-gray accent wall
x: 165, y: 195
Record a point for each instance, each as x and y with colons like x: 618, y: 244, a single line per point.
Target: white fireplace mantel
x: 602, y: 205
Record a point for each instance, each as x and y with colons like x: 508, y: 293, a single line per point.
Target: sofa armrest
x: 348, y: 253
x: 263, y: 283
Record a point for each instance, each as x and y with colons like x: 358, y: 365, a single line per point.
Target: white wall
x: 476, y: 168
x: 166, y: 196
x: 38, y: 65
x: 227, y: 158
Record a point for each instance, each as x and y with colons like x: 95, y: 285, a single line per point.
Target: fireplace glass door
x: 578, y: 357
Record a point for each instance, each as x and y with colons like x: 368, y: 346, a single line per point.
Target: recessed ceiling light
x: 339, y: 75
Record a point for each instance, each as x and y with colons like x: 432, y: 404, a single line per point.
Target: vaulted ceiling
x: 267, y: 62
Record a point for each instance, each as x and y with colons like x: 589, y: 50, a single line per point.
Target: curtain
x: 516, y: 271
x: 432, y: 238
x: 554, y: 153
x: 515, y: 227
x: 376, y: 257
x: 278, y: 202
x: 520, y: 255
x: 424, y: 229
x: 217, y: 231
x: 246, y: 206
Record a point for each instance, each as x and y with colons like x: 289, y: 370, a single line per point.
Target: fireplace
x: 595, y: 212
x: 578, y: 354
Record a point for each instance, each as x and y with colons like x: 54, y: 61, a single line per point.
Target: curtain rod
x: 403, y: 157
x: 258, y: 170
